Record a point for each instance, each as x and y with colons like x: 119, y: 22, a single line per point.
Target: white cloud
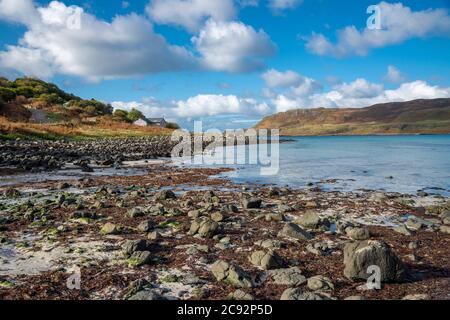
x: 197, y: 106
x: 19, y: 11
x: 275, y: 79
x: 99, y: 50
x: 399, y: 23
x: 394, y: 75
x: 280, y: 5
x: 190, y: 14
x: 360, y: 93
x: 233, y: 46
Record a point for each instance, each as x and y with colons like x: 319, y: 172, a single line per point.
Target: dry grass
x: 103, y: 128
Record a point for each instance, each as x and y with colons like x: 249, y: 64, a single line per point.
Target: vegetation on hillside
x: 412, y: 117
x: 64, y: 115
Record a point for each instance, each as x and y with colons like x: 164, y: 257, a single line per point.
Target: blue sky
x: 229, y: 62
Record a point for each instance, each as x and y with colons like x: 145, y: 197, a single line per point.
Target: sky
x: 229, y: 63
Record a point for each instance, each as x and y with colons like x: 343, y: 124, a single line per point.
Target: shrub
x: 121, y: 114
x: 7, y: 94
x: 172, y: 125
x: 134, y: 115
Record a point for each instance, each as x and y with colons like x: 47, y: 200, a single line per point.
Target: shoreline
x: 87, y: 222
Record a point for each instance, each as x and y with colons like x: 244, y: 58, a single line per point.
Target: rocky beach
x: 179, y: 232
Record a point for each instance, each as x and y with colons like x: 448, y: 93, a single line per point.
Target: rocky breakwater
x: 49, y: 155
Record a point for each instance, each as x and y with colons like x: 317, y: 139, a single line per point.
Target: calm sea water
x: 392, y: 163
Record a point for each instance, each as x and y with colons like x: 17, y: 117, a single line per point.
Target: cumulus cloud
x: 275, y: 79
x: 190, y: 14
x: 394, y: 75
x: 99, y: 50
x: 398, y: 24
x: 359, y: 93
x: 280, y: 5
x: 233, y: 46
x: 19, y: 11
x: 197, y: 106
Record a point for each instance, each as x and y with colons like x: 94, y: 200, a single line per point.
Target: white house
x: 160, y: 122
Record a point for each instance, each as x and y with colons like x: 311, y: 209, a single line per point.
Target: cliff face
x: 412, y: 117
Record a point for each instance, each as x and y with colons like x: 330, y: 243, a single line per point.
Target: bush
x: 7, y: 94
x: 172, y: 125
x: 51, y: 98
x: 121, y: 114
x: 134, y: 115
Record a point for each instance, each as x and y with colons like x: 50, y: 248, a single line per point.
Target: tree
x: 134, y: 115
x: 121, y: 114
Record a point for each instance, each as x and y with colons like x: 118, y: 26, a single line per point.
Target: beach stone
x: 240, y: 295
x: 358, y: 233
x: 251, y: 203
x: 204, y: 227
x: 311, y: 220
x: 139, y: 258
x: 229, y: 208
x: 418, y: 296
x: 266, y: 259
x: 155, y: 235
x: 194, y: 214
x: 445, y: 229
x: 300, y: 294
x: 355, y: 298
x: 284, y: 208
x: 210, y: 197
x: 291, y: 230
x: 319, y: 248
x: 414, y: 224
x: 145, y: 226
x: 146, y: 295
x: 217, y: 217
x: 109, y: 228
x: 413, y: 245
x: 231, y: 274
x: 402, y: 229
x: 320, y: 283
x: 290, y: 276
x: 135, y: 213
x: 276, y: 217
x: 358, y: 256
x: 165, y: 195
x: 131, y: 246
x: 269, y: 244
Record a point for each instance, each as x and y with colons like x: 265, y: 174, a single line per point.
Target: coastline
x: 50, y: 227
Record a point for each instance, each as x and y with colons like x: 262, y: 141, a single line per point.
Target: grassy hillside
x: 412, y: 117
x: 34, y: 109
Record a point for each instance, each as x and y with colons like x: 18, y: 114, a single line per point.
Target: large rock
x: 311, y: 220
x: 266, y: 259
x: 358, y: 256
x: 291, y: 230
x: 251, y: 203
x: 289, y: 277
x: 300, y: 294
x: 358, y: 233
x: 165, y: 195
x: 231, y: 274
x: 320, y: 283
x: 204, y: 227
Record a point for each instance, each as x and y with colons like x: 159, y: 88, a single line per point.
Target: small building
x: 144, y: 122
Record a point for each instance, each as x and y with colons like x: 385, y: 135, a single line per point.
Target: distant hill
x: 412, y: 117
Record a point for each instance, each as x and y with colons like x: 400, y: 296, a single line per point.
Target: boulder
x: 145, y: 226
x: 358, y: 256
x: 289, y: 277
x: 109, y: 228
x: 320, y: 283
x: 231, y: 274
x: 131, y: 246
x: 204, y: 227
x: 251, y: 203
x: 311, y: 220
x: 300, y: 294
x: 291, y: 230
x: 165, y: 195
x: 139, y: 258
x: 240, y: 295
x: 266, y: 259
x: 358, y: 233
